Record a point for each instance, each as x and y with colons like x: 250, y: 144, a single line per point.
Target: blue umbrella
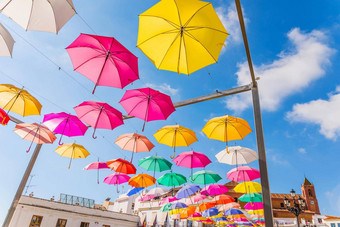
x: 210, y: 212
x: 133, y: 191
x: 233, y: 212
x: 178, y: 205
x: 187, y: 191
x: 220, y: 219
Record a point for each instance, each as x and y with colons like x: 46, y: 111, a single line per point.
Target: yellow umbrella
x: 175, y: 136
x: 181, y: 36
x: 72, y: 151
x: 258, y: 212
x: 248, y: 187
x: 218, y: 216
x: 226, y: 128
x: 18, y: 101
x: 175, y: 211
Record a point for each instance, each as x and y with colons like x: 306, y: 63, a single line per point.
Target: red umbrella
x: 99, y: 115
x: 121, y: 166
x: 147, y: 104
x: 4, y: 118
x: 103, y: 60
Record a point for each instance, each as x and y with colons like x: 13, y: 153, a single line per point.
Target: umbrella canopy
x: 142, y: 180
x: 233, y: 212
x: 251, y: 197
x: 72, y: 151
x: 187, y: 191
x: 147, y: 104
x: 214, y: 189
x: 18, y: 101
x: 64, y: 124
x: 210, y: 212
x: 103, y: 60
x: 166, y: 207
x: 146, y: 198
x: 168, y: 199
x: 243, y: 173
x: 248, y: 187
x: 192, y: 159
x: 134, y: 142
x: 6, y: 43
x: 178, y: 205
x: 254, y: 206
x: 172, y: 179
x: 205, y: 206
x: 236, y: 156
x: 195, y: 215
x: 175, y: 211
x: 35, y: 133
x: 228, y: 206
x: 44, y: 15
x: 187, y: 212
x: 175, y: 136
x: 121, y: 166
x: 133, y: 191
x: 96, y: 165
x: 204, y: 177
x: 4, y: 118
x: 257, y: 212
x: 157, y: 191
x: 223, y: 199
x: 99, y: 115
x: 116, y: 178
x: 198, y: 197
x: 155, y: 163
x: 181, y: 36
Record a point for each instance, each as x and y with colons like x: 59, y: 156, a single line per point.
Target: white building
x: 34, y: 212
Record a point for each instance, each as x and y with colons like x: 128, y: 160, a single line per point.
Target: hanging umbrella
x: 236, y: 156
x: 233, y: 212
x: 4, y: 118
x: 192, y: 159
x: 214, y: 189
x: 181, y: 36
x: 35, y: 133
x: 175, y: 212
x: 96, y: 165
x: 198, y: 197
x: 258, y: 212
x: 248, y: 187
x: 187, y: 191
x: 226, y: 128
x: 168, y: 199
x: 205, y: 206
x: 18, y: 101
x: 6, y: 42
x: 155, y: 163
x: 134, y: 142
x: 103, y: 60
x: 99, y: 115
x: 195, y: 216
x: 72, y: 151
x: 146, y: 198
x: 251, y: 197
x: 142, y: 180
x: 121, y: 166
x: 116, y: 179
x: 228, y: 206
x: 175, y: 136
x: 187, y: 212
x: 210, y: 212
x: 208, y: 221
x: 243, y: 173
x: 205, y: 177
x: 172, y: 179
x: 157, y: 191
x: 254, y: 206
x: 223, y: 199
x: 64, y: 124
x: 166, y: 207
x: 133, y: 191
x: 147, y: 104
x: 178, y: 205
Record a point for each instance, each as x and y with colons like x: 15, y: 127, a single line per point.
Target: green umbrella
x: 172, y: 179
x: 166, y: 207
x: 155, y: 163
x: 251, y: 198
x: 205, y: 177
x: 258, y: 219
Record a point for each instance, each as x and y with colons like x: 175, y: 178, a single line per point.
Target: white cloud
x: 165, y: 88
x: 302, y: 150
x: 324, y: 113
x: 295, y: 69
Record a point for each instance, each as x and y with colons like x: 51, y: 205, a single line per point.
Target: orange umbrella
x: 205, y: 206
x: 142, y: 180
x: 229, y: 206
x: 190, y: 210
x: 121, y: 166
x: 223, y: 199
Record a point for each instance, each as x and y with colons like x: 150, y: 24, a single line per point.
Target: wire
x: 86, y: 24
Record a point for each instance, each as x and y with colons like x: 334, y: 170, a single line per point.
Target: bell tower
x: 308, y: 193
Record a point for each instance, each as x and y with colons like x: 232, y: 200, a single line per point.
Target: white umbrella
x: 38, y: 15
x: 6, y: 42
x: 157, y: 191
x: 236, y: 156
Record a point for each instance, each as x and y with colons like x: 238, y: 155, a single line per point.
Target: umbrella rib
x: 30, y: 16
x: 188, y: 21
x: 179, y: 16
x: 55, y: 21
x: 168, y: 50
x: 119, y: 59
x: 162, y: 33
x: 88, y: 60
x: 197, y: 27
x: 170, y: 22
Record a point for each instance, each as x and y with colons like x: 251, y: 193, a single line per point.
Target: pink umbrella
x: 195, y: 215
x: 64, y: 124
x: 96, y: 165
x: 99, y: 115
x: 229, y: 206
x: 103, y: 60
x: 168, y: 199
x: 198, y: 197
x: 214, y: 189
x: 192, y: 159
x: 147, y: 104
x: 240, y: 219
x: 243, y: 173
x: 116, y: 178
x: 254, y: 206
x: 146, y: 198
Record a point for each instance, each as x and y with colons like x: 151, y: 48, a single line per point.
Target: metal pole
x: 21, y: 186
x: 297, y: 220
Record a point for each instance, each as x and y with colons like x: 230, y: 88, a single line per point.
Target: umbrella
x: 198, y: 197
x: 233, y: 212
x: 181, y: 36
x: 175, y: 136
x: 97, y: 165
x: 72, y: 151
x: 175, y: 211
x: 236, y: 156
x: 18, y: 101
x: 195, y: 216
x: 223, y: 199
x: 168, y: 199
x: 208, y: 221
x: 228, y: 206
x: 157, y: 191
x: 192, y: 159
x: 214, y: 189
x: 99, y: 115
x: 34, y: 132
x: 116, y: 178
x: 133, y: 191
x: 172, y: 179
x: 166, y: 207
x: 210, y: 212
x: 121, y: 166
x: 243, y: 173
x: 6, y: 42
x: 142, y: 180
x: 187, y: 191
x: 103, y: 60
x: 4, y: 118
x: 205, y: 206
x: 226, y: 128
x: 134, y: 142
x: 178, y: 205
x: 254, y: 206
x: 187, y: 212
x: 155, y: 163
x: 44, y: 15
x: 251, y: 197
x: 204, y: 177
x: 248, y: 187
x: 147, y: 104
x: 257, y: 212
x: 64, y: 124
x: 146, y: 198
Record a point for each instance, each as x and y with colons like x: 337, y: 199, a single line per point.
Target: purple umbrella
x: 178, y: 205
x: 187, y: 191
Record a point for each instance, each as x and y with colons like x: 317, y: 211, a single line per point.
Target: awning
x: 162, y: 219
x: 152, y: 219
x: 142, y: 218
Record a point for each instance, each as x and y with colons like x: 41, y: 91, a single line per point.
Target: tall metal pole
x: 267, y: 202
x: 21, y: 186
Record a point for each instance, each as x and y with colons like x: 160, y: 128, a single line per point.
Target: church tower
x: 308, y: 193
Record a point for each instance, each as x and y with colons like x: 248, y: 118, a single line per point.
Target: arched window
x: 310, y: 193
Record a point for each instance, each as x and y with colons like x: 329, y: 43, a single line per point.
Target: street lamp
x: 299, y: 205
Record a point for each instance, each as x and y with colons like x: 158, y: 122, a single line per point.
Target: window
x: 310, y: 193
x: 235, y: 199
x: 36, y: 221
x: 84, y: 224
x: 282, y: 205
x: 332, y: 224
x: 61, y: 222
x: 338, y: 224
x: 106, y: 226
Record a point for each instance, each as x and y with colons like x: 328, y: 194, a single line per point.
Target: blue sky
x: 294, y: 49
